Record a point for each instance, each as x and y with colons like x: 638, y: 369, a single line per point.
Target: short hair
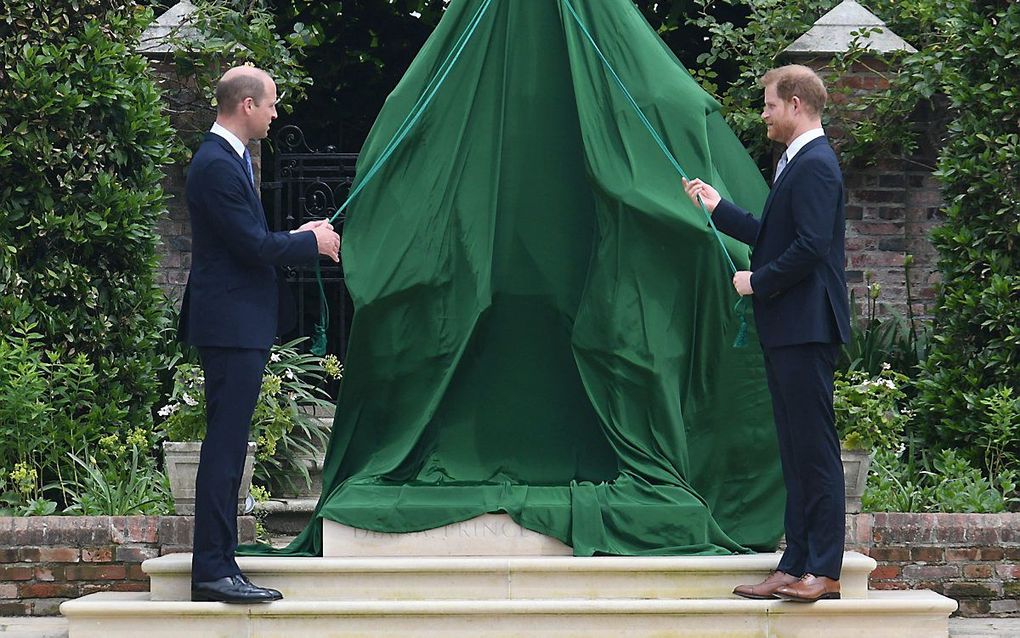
x: 232, y: 89
x: 798, y: 80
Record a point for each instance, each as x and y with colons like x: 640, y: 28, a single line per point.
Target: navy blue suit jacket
x: 232, y: 297
x: 797, y: 257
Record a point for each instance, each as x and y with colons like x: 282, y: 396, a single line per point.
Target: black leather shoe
x: 274, y: 592
x: 232, y: 589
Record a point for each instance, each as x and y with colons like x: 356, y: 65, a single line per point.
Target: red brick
x: 49, y: 573
x: 8, y: 590
x: 978, y: 571
x: 8, y: 555
x: 96, y: 572
x: 1008, y: 571
x: 134, y: 572
x: 890, y: 554
x: 885, y: 572
x: 16, y: 572
x: 991, y: 553
x: 142, y: 529
x: 983, y: 535
x: 928, y: 554
x: 913, y: 572
x: 58, y: 555
x: 19, y: 608
x: 954, y: 554
x: 48, y: 590
x: 97, y: 554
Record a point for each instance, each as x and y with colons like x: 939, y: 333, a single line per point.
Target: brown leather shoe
x: 766, y: 589
x: 809, y: 589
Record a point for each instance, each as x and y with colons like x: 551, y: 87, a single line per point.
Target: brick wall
x: 191, y: 116
x: 973, y: 558
x: 891, y: 209
x: 49, y: 559
x: 892, y: 205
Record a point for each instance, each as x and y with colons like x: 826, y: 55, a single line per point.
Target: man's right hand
x: 697, y: 188
x: 325, y: 237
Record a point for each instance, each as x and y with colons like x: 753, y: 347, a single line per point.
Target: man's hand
x: 742, y: 282
x: 697, y: 188
x: 325, y: 237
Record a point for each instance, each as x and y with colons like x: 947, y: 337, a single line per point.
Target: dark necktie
x: 251, y: 171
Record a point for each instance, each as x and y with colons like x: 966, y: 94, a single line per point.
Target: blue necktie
x: 779, y: 167
x: 251, y: 171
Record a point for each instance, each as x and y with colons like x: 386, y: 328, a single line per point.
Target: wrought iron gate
x: 307, y: 185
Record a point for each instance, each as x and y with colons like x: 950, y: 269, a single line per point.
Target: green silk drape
x: 544, y: 324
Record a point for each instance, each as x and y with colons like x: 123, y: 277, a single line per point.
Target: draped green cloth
x: 544, y: 324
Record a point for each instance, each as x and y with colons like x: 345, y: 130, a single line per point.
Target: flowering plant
x: 867, y: 409
x: 292, y: 390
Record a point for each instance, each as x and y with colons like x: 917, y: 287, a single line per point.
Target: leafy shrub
x: 975, y: 353
x: 283, y: 427
x: 945, y: 483
x: 137, y: 489
x: 82, y: 145
x: 867, y: 408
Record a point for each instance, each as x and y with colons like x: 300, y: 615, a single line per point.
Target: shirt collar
x: 232, y: 139
x: 802, y: 141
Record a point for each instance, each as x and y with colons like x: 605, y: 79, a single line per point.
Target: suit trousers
x: 800, y: 380
x: 233, y: 378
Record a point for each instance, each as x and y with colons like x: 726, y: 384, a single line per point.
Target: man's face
x: 778, y: 116
x: 262, y: 112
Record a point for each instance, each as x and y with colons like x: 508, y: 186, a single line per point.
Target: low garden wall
x: 45, y: 560
x: 974, y: 558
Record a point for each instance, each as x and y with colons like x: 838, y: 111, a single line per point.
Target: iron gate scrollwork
x: 307, y: 185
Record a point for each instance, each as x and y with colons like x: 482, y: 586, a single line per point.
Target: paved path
x: 958, y: 627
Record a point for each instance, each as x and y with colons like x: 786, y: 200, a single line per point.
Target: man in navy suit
x: 230, y: 313
x: 798, y: 286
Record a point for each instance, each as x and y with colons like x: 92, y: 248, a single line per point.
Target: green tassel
x: 319, y: 339
x: 741, y: 340
x: 318, y: 347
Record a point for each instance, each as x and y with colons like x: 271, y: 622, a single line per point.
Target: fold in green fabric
x: 543, y: 322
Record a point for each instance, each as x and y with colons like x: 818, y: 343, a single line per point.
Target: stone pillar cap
x: 833, y: 32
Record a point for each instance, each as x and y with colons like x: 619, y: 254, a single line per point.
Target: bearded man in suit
x: 797, y: 283
x: 230, y: 313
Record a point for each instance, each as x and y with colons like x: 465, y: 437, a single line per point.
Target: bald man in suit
x: 230, y: 313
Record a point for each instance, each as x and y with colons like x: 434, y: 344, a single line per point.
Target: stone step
x: 498, y: 578
x: 901, y: 614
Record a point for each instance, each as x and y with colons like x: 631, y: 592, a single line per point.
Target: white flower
x: 886, y: 366
x: 289, y: 375
x: 168, y: 409
x: 275, y: 357
x: 188, y: 399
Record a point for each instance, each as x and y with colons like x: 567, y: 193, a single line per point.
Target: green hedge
x: 970, y: 388
x: 83, y: 143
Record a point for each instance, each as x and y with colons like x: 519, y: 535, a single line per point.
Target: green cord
x: 741, y: 339
x: 319, y: 334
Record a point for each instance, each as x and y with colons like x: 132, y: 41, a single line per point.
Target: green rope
x: 319, y: 335
x: 741, y: 339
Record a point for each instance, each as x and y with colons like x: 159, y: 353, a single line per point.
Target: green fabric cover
x: 544, y: 323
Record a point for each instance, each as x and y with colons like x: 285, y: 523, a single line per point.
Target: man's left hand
x: 742, y: 282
